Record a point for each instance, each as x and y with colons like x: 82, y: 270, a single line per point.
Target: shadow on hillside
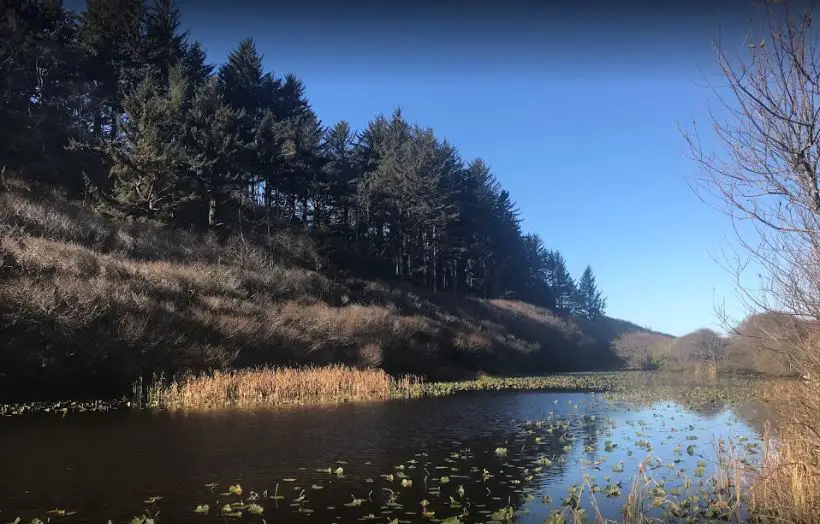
x: 88, y: 304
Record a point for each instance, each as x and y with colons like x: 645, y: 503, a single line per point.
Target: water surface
x: 105, y: 466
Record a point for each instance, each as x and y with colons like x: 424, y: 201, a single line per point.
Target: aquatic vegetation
x: 64, y: 408
x: 512, y: 474
x: 355, y: 502
x: 145, y: 518
x: 255, y: 509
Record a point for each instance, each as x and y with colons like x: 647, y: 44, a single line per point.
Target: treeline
x: 120, y: 105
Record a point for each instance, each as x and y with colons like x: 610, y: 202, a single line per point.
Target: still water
x: 393, y: 456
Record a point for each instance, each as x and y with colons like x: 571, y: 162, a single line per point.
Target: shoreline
x: 178, y: 396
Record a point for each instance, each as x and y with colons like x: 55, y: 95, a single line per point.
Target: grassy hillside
x: 88, y: 304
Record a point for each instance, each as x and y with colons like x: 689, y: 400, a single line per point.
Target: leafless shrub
x: 701, y: 347
x: 642, y: 350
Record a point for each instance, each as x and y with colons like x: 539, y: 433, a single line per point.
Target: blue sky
x: 579, y: 121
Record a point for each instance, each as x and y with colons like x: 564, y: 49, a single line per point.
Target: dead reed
x: 272, y: 386
x: 788, y: 486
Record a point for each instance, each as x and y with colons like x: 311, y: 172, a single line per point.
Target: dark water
x: 105, y: 466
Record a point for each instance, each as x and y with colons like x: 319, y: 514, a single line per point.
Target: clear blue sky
x: 578, y: 118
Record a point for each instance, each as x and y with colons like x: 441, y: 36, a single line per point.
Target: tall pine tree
x: 164, y: 45
x: 561, y: 283
x: 592, y: 303
x: 215, y: 145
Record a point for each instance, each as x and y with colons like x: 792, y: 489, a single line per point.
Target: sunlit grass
x: 272, y: 386
x: 788, y: 485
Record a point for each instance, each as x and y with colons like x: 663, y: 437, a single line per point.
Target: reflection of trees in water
x: 751, y: 413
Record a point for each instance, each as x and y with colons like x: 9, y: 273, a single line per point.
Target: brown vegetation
x: 89, y: 304
x: 788, y: 486
x: 760, y: 345
x: 275, y: 386
x: 643, y: 350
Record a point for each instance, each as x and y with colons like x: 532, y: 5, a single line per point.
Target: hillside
x: 89, y: 303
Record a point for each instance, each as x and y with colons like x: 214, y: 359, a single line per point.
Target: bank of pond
x: 562, y: 448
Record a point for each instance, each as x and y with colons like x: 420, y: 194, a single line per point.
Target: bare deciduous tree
x: 767, y: 179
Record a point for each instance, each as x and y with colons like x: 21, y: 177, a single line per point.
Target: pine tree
x: 291, y: 101
x: 592, y: 303
x: 561, y: 283
x: 535, y: 285
x: 214, y: 141
x: 480, y: 193
x: 164, y: 45
x: 149, y: 160
x: 270, y: 136
x: 240, y: 78
x: 111, y: 36
x: 196, y: 62
x: 341, y: 171
x: 39, y: 91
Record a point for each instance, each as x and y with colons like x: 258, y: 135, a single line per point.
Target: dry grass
x: 788, y: 487
x: 89, y: 304
x: 274, y: 386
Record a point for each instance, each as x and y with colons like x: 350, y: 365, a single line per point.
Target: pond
x: 478, y: 456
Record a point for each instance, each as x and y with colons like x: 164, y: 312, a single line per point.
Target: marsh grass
x: 787, y: 487
x: 272, y: 386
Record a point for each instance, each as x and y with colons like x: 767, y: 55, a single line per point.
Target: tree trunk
x: 98, y: 123
x: 267, y: 205
x: 435, y: 261
x: 212, y: 211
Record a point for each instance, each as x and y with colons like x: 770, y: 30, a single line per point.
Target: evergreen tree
x: 592, y: 303
x: 150, y: 162
x: 481, y: 192
x: 269, y: 143
x: 111, y: 36
x: 562, y: 284
x: 164, y: 45
x: 196, y: 62
x: 214, y: 141
x: 39, y: 88
x: 341, y: 171
x: 240, y: 78
x: 291, y: 101
x: 535, y: 286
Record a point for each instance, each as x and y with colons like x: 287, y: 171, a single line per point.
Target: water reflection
x: 105, y: 465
